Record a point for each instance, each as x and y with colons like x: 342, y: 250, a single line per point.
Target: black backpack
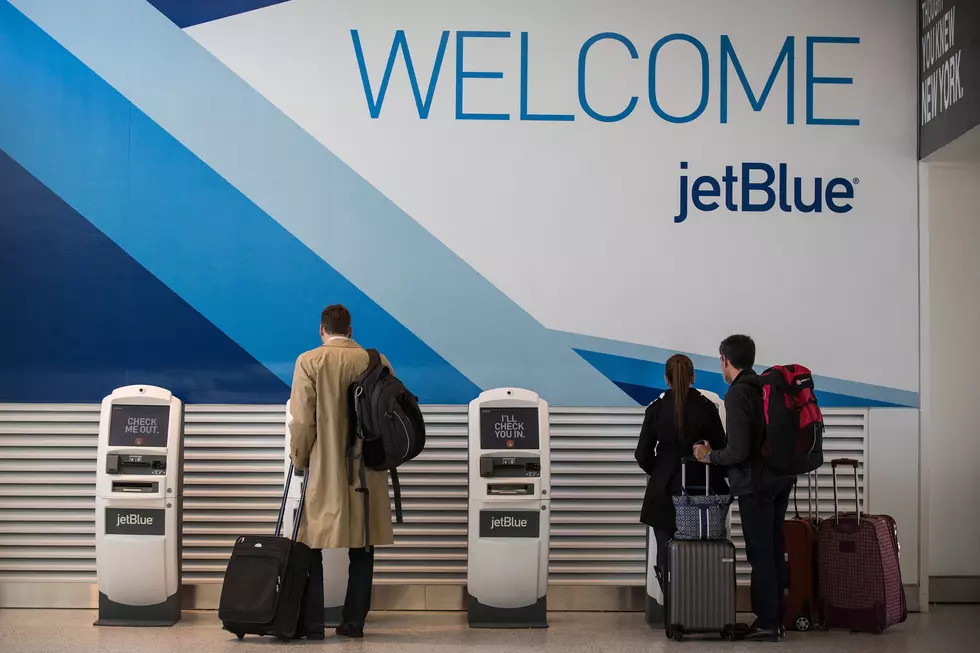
x: 387, y: 419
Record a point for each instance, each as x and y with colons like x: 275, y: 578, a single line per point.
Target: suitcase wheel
x: 802, y: 624
x: 239, y: 635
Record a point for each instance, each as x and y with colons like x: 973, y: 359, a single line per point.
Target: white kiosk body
x: 509, y: 510
x: 335, y: 561
x: 654, y: 595
x: 139, y: 507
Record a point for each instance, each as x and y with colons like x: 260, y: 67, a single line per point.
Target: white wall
x: 951, y: 422
x: 892, y: 478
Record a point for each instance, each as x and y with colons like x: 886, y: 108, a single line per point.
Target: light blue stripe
x: 318, y: 198
x: 876, y: 395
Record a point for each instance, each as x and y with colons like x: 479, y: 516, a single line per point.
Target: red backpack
x: 794, y: 423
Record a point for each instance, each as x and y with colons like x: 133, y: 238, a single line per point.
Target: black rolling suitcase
x: 700, y: 586
x: 265, y: 580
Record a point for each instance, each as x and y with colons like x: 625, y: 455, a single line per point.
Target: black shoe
x: 757, y: 634
x: 315, y: 635
x: 350, y: 630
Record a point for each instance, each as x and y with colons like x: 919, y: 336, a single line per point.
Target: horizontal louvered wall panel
x: 233, y: 464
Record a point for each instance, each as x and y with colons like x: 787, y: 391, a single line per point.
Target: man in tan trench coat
x: 333, y: 516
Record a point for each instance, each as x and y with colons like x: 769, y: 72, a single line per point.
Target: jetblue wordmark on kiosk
x: 136, y: 521
x: 515, y: 523
x: 760, y: 189
x: 609, y: 45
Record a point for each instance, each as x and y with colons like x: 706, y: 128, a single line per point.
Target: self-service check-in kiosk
x: 138, y: 507
x: 509, y: 510
x: 654, y: 595
x: 335, y: 561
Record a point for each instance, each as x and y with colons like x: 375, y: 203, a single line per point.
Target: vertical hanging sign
x: 949, y: 71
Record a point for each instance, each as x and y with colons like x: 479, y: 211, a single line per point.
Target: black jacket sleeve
x: 738, y: 409
x: 646, y: 448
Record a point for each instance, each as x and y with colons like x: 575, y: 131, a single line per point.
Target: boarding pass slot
x: 510, y: 489
x: 135, y: 486
x: 510, y: 466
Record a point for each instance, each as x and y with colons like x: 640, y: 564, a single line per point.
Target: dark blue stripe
x: 82, y: 317
x: 640, y: 379
x: 186, y: 13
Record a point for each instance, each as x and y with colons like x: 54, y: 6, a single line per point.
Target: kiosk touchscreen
x: 654, y: 595
x: 509, y: 510
x: 138, y: 507
x: 335, y: 561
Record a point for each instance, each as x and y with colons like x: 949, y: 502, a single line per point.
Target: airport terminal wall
x: 504, y: 195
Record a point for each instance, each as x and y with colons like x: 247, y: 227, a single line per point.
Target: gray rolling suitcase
x: 700, y: 587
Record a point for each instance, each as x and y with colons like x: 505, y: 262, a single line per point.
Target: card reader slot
x: 521, y: 489
x: 134, y: 486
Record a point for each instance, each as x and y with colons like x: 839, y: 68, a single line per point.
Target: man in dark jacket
x: 762, y: 495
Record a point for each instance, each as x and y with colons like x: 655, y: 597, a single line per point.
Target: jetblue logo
x: 510, y: 523
x: 507, y: 522
x: 135, y: 521
x: 760, y: 188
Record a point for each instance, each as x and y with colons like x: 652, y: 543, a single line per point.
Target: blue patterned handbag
x: 701, y: 517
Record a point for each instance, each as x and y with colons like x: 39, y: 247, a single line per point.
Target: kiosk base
x: 654, y: 612
x: 485, y: 616
x: 333, y: 616
x: 160, y: 615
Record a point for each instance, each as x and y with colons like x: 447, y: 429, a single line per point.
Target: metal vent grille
x: 233, y: 462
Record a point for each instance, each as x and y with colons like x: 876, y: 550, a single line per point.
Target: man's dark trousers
x: 357, y: 603
x: 360, y: 577
x: 763, y: 513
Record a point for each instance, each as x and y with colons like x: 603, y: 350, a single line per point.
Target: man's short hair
x: 739, y: 350
x: 335, y: 320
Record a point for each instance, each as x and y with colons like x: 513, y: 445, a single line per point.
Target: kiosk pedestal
x: 509, y: 510
x: 654, y: 595
x: 139, y: 507
x: 335, y: 561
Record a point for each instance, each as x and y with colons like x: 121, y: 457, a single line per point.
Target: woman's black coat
x: 660, y: 450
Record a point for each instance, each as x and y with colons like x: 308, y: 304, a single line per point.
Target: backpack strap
x: 374, y: 358
x: 362, y: 474
x: 396, y: 487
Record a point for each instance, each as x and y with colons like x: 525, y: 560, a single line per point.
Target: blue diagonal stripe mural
x: 182, y: 221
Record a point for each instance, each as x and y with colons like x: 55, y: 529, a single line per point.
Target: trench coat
x: 333, y: 516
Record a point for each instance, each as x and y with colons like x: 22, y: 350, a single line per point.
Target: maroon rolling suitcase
x: 802, y: 608
x: 860, y: 581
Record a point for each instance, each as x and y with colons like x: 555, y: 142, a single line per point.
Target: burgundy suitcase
x: 802, y: 608
x: 860, y: 581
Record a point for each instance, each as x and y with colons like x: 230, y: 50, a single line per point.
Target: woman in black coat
x: 672, y: 426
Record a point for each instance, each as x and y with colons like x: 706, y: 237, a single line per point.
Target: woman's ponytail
x: 680, y: 376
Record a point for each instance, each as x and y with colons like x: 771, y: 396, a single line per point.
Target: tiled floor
x: 952, y: 629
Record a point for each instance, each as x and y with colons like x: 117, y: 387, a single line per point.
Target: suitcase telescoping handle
x: 812, y: 496
x: 854, y: 464
x: 299, y: 509
x: 707, y: 474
